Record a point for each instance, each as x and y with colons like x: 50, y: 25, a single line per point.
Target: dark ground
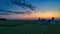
x: 28, y: 27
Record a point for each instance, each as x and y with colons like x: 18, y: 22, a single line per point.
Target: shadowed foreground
x: 27, y: 27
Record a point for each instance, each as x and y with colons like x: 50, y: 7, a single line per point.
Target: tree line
x: 2, y: 19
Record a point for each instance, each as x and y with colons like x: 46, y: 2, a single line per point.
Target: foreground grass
x: 53, y: 29
x: 24, y: 29
x: 29, y: 28
x: 14, y: 23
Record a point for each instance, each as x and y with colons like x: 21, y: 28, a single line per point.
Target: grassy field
x: 27, y: 27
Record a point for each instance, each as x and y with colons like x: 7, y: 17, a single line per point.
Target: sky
x: 43, y: 9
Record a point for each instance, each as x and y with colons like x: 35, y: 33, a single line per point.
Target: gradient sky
x: 45, y: 9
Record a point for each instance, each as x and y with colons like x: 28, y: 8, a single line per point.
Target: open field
x: 27, y: 27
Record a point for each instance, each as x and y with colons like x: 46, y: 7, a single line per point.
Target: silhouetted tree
x: 39, y: 18
x: 52, y: 18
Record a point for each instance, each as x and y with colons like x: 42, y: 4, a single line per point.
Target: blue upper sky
x: 40, y: 4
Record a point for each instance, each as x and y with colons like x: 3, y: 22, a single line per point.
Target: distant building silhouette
x: 48, y: 21
x: 44, y: 21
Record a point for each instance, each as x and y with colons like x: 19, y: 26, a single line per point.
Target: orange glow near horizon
x: 45, y: 15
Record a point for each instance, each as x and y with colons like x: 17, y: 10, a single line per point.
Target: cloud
x: 19, y: 4
x: 7, y: 12
x: 23, y: 4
